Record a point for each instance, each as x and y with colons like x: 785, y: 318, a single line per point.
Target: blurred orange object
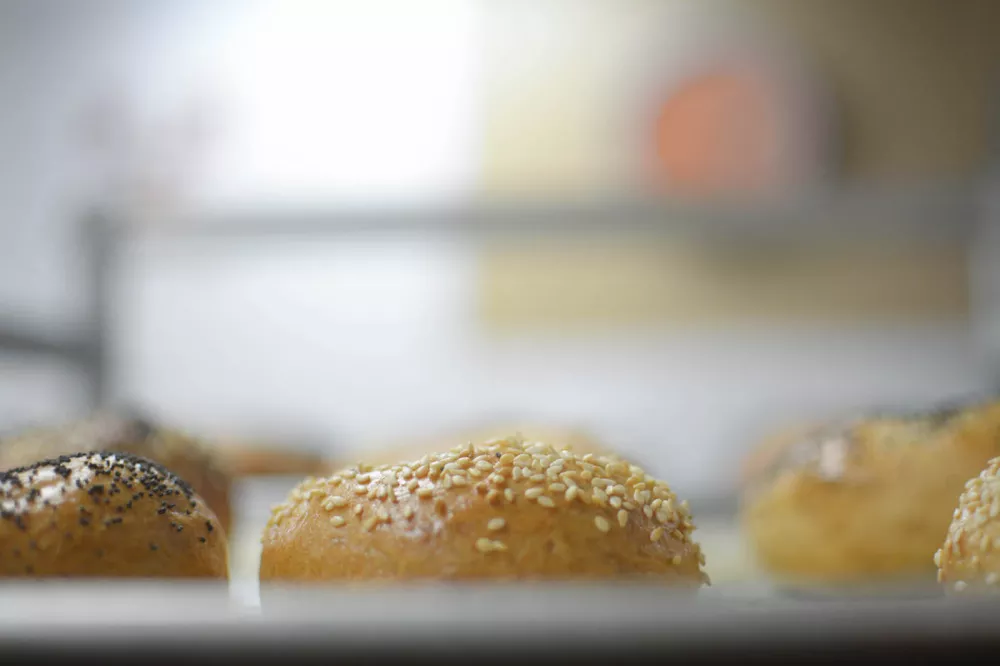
x: 739, y: 128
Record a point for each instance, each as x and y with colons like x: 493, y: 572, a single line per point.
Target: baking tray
x: 206, y: 622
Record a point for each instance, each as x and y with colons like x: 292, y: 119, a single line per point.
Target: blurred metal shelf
x: 85, y: 349
x: 17, y: 339
x: 200, y: 623
x: 936, y: 212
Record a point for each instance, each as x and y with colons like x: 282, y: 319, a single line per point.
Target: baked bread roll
x: 867, y: 501
x: 504, y: 510
x: 181, y: 454
x: 969, y: 560
x: 106, y: 515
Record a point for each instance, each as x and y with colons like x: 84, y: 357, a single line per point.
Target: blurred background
x: 675, y: 225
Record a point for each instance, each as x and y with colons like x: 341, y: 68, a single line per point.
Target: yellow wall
x: 584, y: 286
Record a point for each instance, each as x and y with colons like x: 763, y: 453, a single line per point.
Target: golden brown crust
x: 106, y: 515
x: 865, y: 501
x: 505, y: 509
x: 969, y: 559
x: 181, y: 454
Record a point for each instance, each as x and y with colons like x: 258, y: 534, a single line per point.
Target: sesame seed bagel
x: 969, y: 560
x: 506, y: 509
x: 181, y: 454
x: 106, y: 515
x: 864, y: 502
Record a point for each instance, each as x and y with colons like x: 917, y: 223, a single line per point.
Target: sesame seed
x: 628, y: 505
x: 425, y: 493
x: 506, y: 459
x: 474, y: 473
x: 676, y: 560
x: 496, y: 524
x: 412, y: 485
x: 613, y: 467
x: 484, y: 466
x: 571, y: 493
x: 602, y: 483
x: 420, y: 472
x: 360, y: 490
x: 647, y: 511
x: 600, y: 496
x: 492, y: 495
x: 358, y: 509
x: 459, y: 481
x: 497, y: 479
x: 481, y: 488
x: 508, y: 494
x: 602, y: 524
x: 517, y: 474
x: 383, y: 515
x: 446, y: 483
x: 656, y: 534
x: 960, y: 586
x: 484, y: 545
x: 369, y: 524
x: 546, y: 502
x: 338, y: 521
x: 537, y: 478
x: 533, y: 493
x: 615, y: 501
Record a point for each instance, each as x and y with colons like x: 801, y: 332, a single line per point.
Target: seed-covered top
x: 842, y: 450
x: 107, y: 431
x: 970, y: 555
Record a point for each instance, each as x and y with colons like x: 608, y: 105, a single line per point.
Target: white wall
x: 155, y: 106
